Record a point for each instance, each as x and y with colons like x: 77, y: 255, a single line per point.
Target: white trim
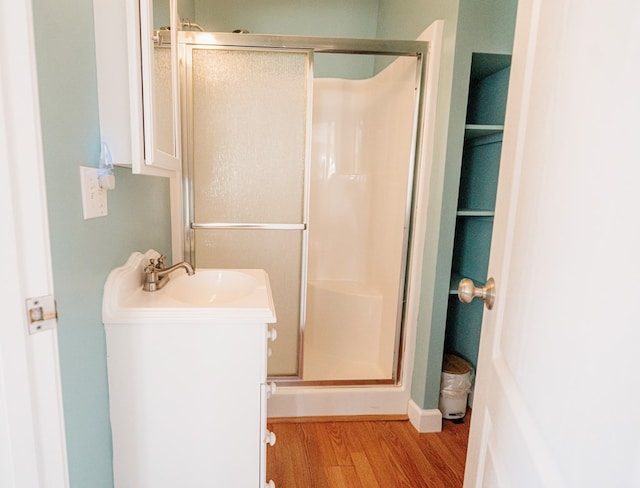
x: 433, y: 35
x: 310, y: 401
x: 425, y: 420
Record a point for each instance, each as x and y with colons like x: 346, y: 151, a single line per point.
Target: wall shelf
x: 476, y: 198
x: 467, y: 212
x: 473, y: 131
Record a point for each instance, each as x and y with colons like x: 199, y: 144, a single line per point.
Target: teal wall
x: 483, y: 26
x: 329, y: 18
x: 84, y: 252
x: 353, y: 18
x: 405, y: 18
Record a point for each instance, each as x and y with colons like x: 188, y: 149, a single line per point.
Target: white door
x: 32, y: 442
x: 557, y: 391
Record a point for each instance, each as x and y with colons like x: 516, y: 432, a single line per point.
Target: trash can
x: 454, y: 387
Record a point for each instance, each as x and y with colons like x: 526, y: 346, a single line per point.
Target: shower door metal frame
x: 325, y: 45
x: 186, y: 47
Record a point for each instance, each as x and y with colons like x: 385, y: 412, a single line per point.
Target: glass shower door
x: 246, y: 139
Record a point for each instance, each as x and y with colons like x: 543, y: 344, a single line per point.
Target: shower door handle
x: 467, y: 291
x: 246, y: 225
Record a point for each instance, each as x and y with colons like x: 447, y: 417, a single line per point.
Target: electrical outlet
x: 94, y: 197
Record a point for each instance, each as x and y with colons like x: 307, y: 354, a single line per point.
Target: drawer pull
x: 270, y: 438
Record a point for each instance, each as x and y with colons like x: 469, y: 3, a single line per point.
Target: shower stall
x: 294, y: 167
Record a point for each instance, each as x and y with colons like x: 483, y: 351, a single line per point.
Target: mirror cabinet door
x: 160, y: 94
x: 138, y: 92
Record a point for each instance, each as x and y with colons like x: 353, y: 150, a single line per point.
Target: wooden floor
x: 366, y: 454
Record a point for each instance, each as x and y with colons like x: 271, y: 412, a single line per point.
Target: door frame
x: 32, y: 436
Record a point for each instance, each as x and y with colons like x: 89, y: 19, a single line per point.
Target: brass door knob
x: 467, y: 291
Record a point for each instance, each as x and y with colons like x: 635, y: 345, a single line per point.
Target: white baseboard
x: 313, y: 401
x: 425, y: 420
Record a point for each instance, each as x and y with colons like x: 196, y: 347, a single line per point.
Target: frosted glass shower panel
x: 249, y: 135
x: 247, y: 145
x: 279, y: 253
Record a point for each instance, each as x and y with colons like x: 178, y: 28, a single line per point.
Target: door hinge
x: 42, y: 313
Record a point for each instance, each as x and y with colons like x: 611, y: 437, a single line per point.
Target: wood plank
x: 364, y: 471
x: 343, y: 477
x: 427, y: 449
x: 406, y: 466
x: 288, y: 461
x: 366, y: 453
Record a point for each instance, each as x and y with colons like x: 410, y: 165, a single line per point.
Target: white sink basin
x: 208, y: 296
x: 210, y: 286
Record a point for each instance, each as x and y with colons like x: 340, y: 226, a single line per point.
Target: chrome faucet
x: 156, y: 274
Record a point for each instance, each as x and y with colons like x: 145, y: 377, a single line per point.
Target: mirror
x: 160, y: 72
x: 163, y: 117
x: 163, y: 122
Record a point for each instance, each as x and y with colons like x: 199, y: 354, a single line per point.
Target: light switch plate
x: 94, y: 198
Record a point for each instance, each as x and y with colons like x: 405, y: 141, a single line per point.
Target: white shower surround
x: 360, y: 158
x: 302, y: 401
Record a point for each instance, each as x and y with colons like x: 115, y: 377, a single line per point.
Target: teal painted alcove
x: 484, y: 33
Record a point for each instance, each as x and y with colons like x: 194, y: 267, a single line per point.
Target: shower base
x: 319, y: 365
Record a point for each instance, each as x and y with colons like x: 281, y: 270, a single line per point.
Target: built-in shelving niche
x: 477, y: 196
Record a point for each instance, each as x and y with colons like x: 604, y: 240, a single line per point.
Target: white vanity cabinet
x: 187, y: 384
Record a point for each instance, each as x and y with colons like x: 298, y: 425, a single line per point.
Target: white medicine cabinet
x: 138, y: 93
